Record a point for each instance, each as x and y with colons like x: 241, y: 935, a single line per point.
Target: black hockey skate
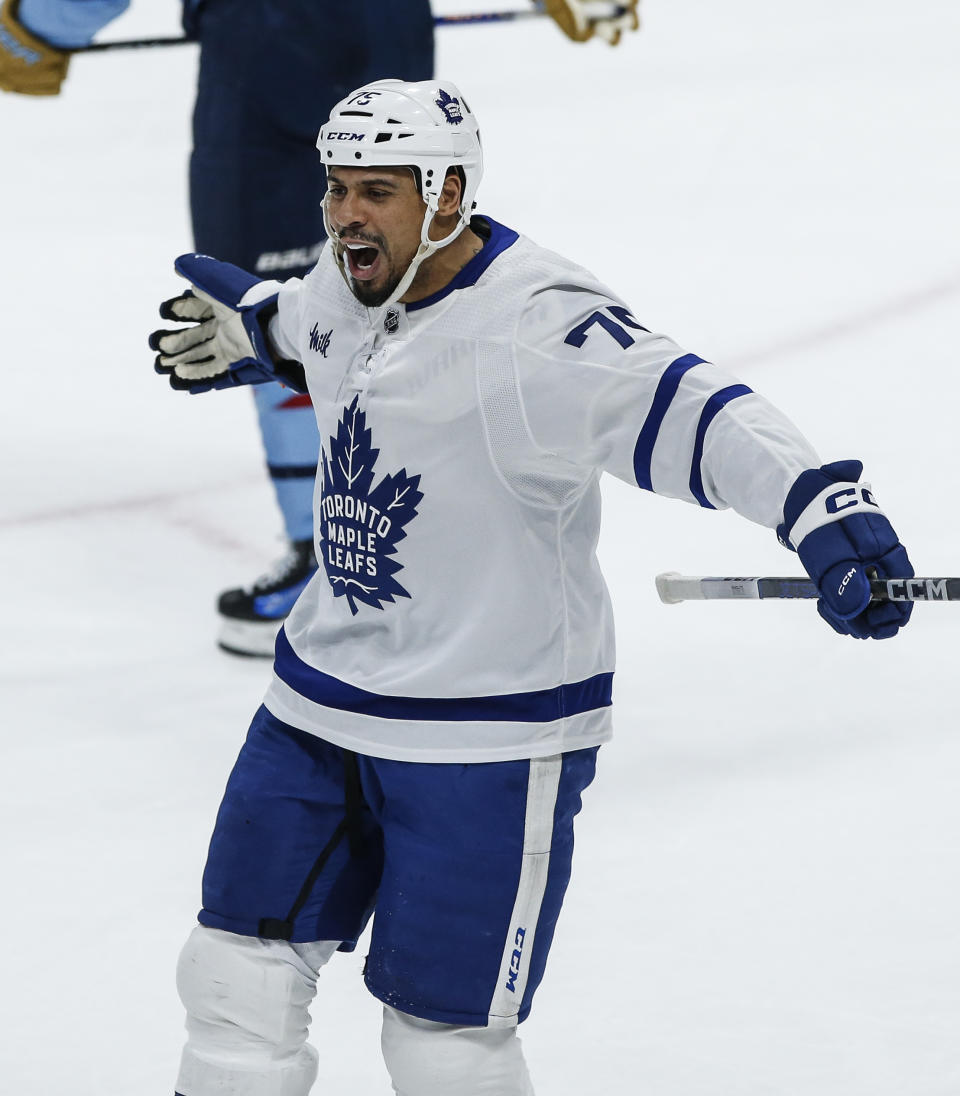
x: 251, y: 617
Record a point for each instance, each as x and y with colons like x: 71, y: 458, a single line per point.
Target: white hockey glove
x: 227, y: 344
x: 580, y: 20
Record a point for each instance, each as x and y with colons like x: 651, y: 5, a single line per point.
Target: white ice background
x: 765, y: 898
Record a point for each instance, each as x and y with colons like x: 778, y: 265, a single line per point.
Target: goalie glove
x: 843, y: 539
x: 227, y: 344
x: 580, y: 20
x: 28, y: 64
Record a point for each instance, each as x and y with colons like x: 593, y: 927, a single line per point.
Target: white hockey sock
x: 247, y: 1018
x: 425, y: 1058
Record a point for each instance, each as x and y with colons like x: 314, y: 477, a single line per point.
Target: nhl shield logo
x: 451, y: 108
x: 361, y: 525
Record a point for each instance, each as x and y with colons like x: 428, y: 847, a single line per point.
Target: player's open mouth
x: 363, y: 261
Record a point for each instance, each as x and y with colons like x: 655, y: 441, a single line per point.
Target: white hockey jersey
x: 459, y: 613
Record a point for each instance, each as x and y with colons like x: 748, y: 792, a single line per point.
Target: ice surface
x: 765, y: 899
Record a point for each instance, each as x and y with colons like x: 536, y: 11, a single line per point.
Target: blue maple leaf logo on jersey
x: 361, y: 525
x: 450, y: 106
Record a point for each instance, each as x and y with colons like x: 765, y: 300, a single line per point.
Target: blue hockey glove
x: 227, y: 344
x: 843, y: 538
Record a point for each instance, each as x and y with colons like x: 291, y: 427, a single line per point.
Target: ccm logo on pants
x: 513, y: 973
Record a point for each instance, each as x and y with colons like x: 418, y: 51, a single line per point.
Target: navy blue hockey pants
x: 465, y: 865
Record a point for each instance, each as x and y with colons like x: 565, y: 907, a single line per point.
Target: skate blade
x: 254, y: 639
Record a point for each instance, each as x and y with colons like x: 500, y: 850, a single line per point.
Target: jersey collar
x: 497, y: 239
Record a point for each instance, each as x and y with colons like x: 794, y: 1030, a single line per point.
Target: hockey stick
x: 535, y: 12
x: 674, y: 588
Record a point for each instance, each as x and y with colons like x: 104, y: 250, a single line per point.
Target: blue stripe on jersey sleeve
x: 542, y: 706
x: 711, y: 409
x: 663, y: 397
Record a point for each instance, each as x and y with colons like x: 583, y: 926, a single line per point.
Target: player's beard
x: 373, y: 298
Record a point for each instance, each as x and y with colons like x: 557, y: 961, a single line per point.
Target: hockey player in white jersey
x: 443, y: 684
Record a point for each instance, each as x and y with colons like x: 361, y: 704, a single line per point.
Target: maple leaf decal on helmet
x: 361, y: 525
x: 450, y: 105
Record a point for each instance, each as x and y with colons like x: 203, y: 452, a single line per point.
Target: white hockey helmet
x: 425, y: 126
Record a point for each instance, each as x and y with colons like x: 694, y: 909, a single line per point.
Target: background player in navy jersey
x: 443, y: 683
x: 269, y: 74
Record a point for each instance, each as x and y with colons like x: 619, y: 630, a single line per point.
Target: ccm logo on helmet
x: 345, y: 136
x: 850, y: 496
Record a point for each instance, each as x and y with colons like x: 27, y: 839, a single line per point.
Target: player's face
x: 378, y: 215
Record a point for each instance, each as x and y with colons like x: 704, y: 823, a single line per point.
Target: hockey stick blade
x: 534, y: 12
x: 674, y: 588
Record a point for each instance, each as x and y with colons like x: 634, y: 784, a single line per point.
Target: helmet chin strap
x: 427, y: 248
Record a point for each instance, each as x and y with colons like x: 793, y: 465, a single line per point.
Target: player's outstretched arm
x: 580, y: 20
x: 842, y: 537
x: 226, y: 343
